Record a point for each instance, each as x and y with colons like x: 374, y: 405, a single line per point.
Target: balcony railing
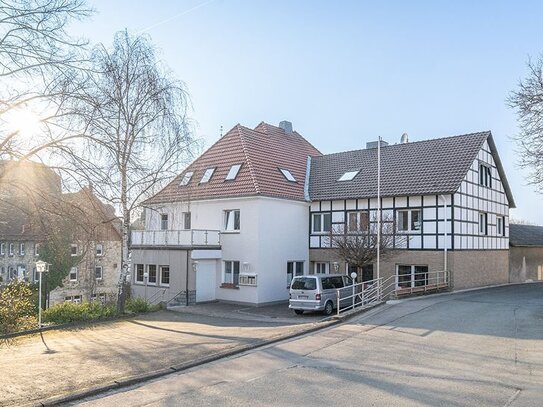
x: 192, y: 237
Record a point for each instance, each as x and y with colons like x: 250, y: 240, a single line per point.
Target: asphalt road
x: 478, y: 348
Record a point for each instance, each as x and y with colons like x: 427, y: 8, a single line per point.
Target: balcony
x: 169, y: 238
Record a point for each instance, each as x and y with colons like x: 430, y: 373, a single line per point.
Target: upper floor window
x: 409, y: 220
x: 501, y: 225
x: 232, y: 220
x: 11, y: 249
x: 358, y: 221
x: 99, y: 272
x: 186, y: 220
x: 164, y: 221
x: 99, y: 249
x: 21, y: 249
x: 233, y: 173
x: 36, y: 249
x: 321, y: 222
x: 73, y: 274
x: 2, y: 249
x: 483, y: 223
x: 349, y: 175
x: 485, y: 175
x: 73, y: 250
x: 287, y: 174
x: 207, y: 175
x: 186, y: 178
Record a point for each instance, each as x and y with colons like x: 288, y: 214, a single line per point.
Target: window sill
x: 229, y: 286
x: 230, y: 232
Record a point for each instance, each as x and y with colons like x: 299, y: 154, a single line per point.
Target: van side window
x: 337, y: 282
x: 327, y: 283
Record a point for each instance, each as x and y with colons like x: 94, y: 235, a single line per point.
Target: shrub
x: 70, y: 312
x: 139, y: 305
x: 17, y: 311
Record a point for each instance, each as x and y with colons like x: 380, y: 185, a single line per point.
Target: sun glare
x: 23, y: 121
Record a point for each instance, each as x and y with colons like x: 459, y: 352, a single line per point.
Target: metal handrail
x: 159, y: 293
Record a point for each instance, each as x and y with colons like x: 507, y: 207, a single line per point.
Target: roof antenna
x: 221, y: 131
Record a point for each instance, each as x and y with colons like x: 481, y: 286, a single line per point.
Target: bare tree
x: 38, y: 61
x: 527, y: 100
x: 139, y: 134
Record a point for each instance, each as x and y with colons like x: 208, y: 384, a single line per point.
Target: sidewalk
x: 56, y: 363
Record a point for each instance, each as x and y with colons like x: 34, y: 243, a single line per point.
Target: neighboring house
x: 449, y: 192
x: 232, y: 226
x: 526, y: 253
x: 33, y: 209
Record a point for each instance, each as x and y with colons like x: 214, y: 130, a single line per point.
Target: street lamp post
x: 146, y: 277
x: 41, y: 267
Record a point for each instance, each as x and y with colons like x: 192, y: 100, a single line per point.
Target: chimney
x: 286, y: 126
x: 373, y: 144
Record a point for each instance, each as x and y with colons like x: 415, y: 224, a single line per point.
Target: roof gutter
x: 306, y: 183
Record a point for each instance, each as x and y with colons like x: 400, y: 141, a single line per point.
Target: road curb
x: 132, y: 380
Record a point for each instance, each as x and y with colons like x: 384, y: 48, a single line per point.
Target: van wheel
x: 328, y: 308
x: 299, y: 311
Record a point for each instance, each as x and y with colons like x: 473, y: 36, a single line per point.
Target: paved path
x: 58, y: 362
x: 479, y: 348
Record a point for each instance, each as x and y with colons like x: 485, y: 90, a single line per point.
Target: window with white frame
x: 99, y: 273
x: 165, y: 275
x: 409, y: 220
x: 73, y: 250
x: 231, y: 272
x: 163, y: 221
x: 152, y: 275
x: 233, y: 172
x: 287, y: 174
x: 76, y: 299
x: 248, y: 279
x: 485, y: 175
x: 409, y: 276
x: 349, y: 175
x: 501, y: 225
x: 186, y: 216
x: 73, y: 274
x: 35, y: 275
x: 21, y: 249
x: 11, y: 249
x: 99, y: 249
x: 358, y: 221
x: 207, y: 175
x: 186, y: 178
x: 294, y: 268
x: 322, y: 268
x: 36, y: 249
x: 483, y: 223
x: 2, y: 249
x: 232, y: 220
x: 138, y: 273
x: 321, y: 222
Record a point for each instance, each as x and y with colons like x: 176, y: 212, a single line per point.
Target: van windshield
x: 304, y: 283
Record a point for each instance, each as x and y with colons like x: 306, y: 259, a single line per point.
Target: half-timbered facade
x: 448, y: 193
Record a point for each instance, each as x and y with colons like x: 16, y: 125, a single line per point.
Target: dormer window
x: 207, y: 175
x: 233, y: 173
x: 349, y: 175
x: 287, y: 175
x: 186, y: 178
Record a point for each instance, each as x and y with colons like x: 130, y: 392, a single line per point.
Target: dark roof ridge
x: 477, y: 133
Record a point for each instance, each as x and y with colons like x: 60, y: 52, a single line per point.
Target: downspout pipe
x: 446, y: 231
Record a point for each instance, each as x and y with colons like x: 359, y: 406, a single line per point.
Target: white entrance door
x: 205, y: 280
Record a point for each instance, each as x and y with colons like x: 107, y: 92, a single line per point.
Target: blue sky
x: 345, y: 72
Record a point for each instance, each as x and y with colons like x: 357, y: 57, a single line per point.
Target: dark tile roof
x: 525, y: 235
x: 261, y: 152
x: 418, y: 168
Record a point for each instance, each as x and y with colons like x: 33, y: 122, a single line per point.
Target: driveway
x: 478, y: 348
x: 70, y: 360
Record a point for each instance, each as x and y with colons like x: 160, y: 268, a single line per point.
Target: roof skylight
x: 233, y: 173
x: 186, y: 178
x: 207, y: 175
x: 349, y: 175
x: 287, y: 175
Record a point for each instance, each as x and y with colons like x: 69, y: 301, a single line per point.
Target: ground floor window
x: 98, y: 297
x: 409, y: 276
x: 322, y: 268
x: 76, y: 299
x: 151, y: 271
x: 165, y: 275
x: 231, y: 272
x: 139, y: 273
x: 294, y: 268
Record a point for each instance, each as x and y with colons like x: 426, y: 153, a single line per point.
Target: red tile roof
x: 261, y: 152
